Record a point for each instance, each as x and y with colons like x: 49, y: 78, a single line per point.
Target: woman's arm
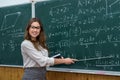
x: 63, y: 61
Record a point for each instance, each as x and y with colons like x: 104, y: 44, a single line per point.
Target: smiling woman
x: 35, y: 52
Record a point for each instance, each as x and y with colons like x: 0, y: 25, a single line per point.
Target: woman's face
x: 34, y: 30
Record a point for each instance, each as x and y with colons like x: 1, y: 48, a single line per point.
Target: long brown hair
x: 40, y: 39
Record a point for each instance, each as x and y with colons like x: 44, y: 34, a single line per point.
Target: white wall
x: 4, y: 3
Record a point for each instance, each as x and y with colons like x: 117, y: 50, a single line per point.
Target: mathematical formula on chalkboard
x: 87, y: 30
x: 13, y: 20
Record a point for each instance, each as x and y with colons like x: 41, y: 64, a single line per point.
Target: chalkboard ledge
x: 99, y: 72
x: 11, y: 66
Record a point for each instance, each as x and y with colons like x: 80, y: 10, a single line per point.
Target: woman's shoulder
x: 26, y: 42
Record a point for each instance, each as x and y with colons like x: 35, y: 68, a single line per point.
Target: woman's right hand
x: 68, y: 61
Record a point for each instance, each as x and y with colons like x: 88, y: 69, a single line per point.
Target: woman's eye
x: 35, y: 27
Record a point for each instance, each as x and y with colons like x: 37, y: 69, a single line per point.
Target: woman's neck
x: 33, y: 39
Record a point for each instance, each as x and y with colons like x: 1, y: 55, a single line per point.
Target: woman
x: 35, y: 52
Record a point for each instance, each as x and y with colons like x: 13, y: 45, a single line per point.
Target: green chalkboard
x: 88, y: 30
x: 13, y: 21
